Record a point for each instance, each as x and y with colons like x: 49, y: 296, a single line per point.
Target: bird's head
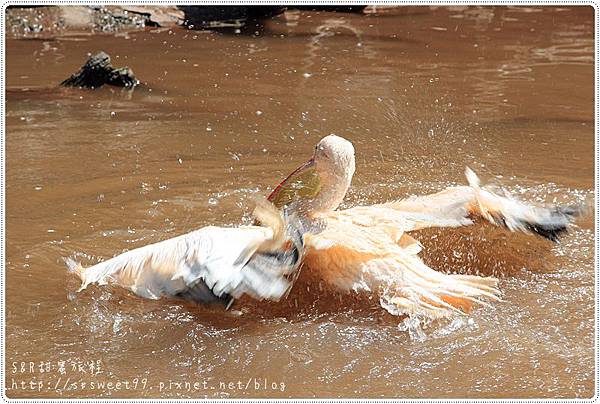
x: 320, y: 184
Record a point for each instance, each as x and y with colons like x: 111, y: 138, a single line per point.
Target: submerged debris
x: 98, y: 71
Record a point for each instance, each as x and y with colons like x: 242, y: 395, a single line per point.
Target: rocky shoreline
x: 48, y: 21
x: 56, y: 20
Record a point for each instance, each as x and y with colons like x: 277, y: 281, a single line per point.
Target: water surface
x: 222, y: 117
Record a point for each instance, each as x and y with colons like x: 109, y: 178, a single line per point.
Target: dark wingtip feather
x: 558, y: 222
x: 573, y: 211
x: 199, y: 292
x: 549, y: 232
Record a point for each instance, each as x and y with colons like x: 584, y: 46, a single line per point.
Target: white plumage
x: 208, y: 264
x: 370, y: 249
x: 373, y: 249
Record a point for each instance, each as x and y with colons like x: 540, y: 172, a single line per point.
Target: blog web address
x: 68, y: 384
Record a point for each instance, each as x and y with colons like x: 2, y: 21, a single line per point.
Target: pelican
x: 212, y: 264
x: 368, y: 249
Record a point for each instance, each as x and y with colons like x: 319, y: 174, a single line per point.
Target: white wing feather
x: 455, y: 207
x: 213, y: 254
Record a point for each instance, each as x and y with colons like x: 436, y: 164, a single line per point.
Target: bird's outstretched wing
x: 208, y: 265
x: 455, y: 206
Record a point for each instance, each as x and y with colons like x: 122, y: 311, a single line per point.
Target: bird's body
x: 373, y: 248
x: 367, y: 249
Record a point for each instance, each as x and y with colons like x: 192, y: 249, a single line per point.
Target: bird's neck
x: 332, y: 192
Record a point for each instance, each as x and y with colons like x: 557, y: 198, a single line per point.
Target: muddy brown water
x: 221, y: 118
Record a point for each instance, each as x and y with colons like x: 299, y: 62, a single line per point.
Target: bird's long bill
x: 303, y: 183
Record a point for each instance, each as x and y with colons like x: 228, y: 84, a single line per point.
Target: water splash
x: 414, y: 326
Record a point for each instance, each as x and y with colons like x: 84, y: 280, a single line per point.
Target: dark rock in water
x: 98, y: 71
x: 200, y: 17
